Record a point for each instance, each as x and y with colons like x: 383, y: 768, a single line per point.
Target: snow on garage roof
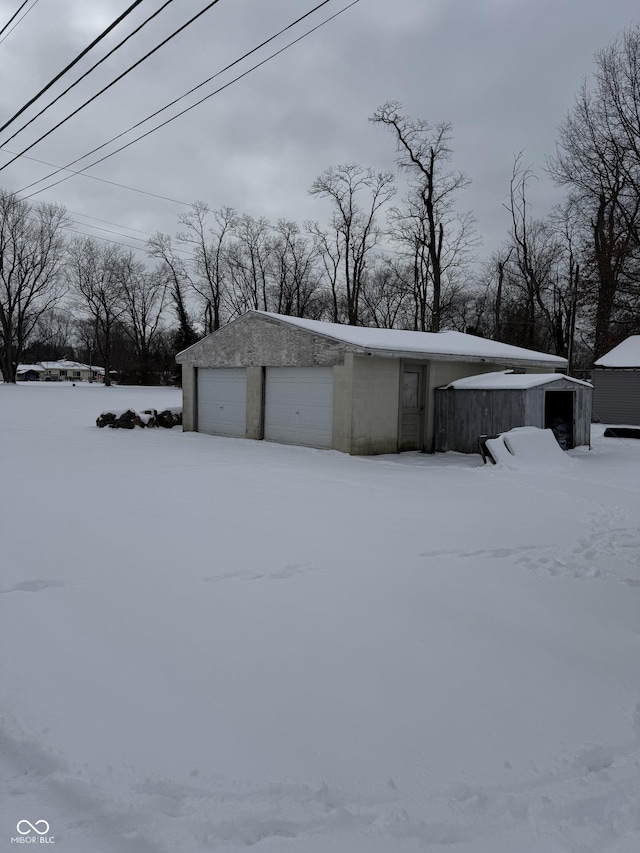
x: 456, y: 344
x: 506, y: 379
x: 626, y: 354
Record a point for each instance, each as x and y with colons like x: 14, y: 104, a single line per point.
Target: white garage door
x: 222, y: 401
x: 298, y: 405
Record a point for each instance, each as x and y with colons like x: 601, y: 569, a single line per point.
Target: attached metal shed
x: 616, y: 384
x: 496, y: 402
x: 358, y: 390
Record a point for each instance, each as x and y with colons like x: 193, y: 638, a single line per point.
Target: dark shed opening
x: 558, y: 416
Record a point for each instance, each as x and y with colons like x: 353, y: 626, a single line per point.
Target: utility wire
x: 86, y: 73
x: 190, y: 255
x: 197, y: 103
x: 98, y: 237
x: 105, y: 222
x: 113, y: 82
x: 104, y: 181
x: 14, y: 16
x: 178, y: 99
x: 19, y: 21
x: 72, y: 63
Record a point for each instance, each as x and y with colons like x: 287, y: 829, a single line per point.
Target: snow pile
x: 213, y: 644
x: 524, y: 448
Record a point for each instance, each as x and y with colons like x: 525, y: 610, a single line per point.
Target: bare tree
x: 209, y: 244
x: 357, y: 194
x: 95, y: 273
x: 249, y: 260
x: 617, y: 94
x: 328, y: 248
x: 175, y: 268
x: 386, y: 298
x: 423, y: 150
x: 297, y: 289
x: 525, y: 292
x: 31, y: 263
x: 409, y: 231
x: 143, y: 295
x: 597, y: 158
x: 52, y: 337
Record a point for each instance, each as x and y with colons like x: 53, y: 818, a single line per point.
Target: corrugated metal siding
x: 616, y: 396
x: 582, y: 417
x: 464, y: 415
x: 534, y: 407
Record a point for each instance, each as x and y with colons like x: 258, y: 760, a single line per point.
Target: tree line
x: 568, y: 284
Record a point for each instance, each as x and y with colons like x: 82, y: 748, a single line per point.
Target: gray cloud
x: 503, y: 71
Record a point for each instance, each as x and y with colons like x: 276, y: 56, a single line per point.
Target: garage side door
x: 222, y: 401
x: 299, y: 405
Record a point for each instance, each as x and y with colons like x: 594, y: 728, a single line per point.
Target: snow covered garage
x: 496, y: 402
x: 358, y: 390
x: 616, y: 383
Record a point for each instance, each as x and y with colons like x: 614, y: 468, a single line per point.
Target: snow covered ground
x: 214, y: 644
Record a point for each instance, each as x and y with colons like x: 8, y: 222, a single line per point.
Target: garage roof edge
x: 392, y: 343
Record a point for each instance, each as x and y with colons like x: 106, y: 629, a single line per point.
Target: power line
x: 19, y: 20
x: 89, y: 71
x: 105, y: 222
x: 14, y: 16
x: 197, y: 103
x: 190, y: 255
x: 102, y: 181
x: 180, y: 98
x: 113, y: 82
x: 72, y: 63
x: 97, y: 237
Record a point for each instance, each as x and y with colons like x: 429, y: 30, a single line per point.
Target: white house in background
x: 29, y: 372
x: 359, y: 390
x: 616, y: 384
x: 60, y: 371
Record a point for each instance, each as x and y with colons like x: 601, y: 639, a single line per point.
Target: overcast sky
x: 504, y: 72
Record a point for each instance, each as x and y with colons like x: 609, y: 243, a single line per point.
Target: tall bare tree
x: 597, y: 158
x: 96, y: 277
x: 32, y: 251
x: 143, y: 296
x: 297, y: 289
x: 423, y: 151
x: 209, y: 245
x: 357, y: 194
x: 249, y: 260
x: 386, y: 299
x: 175, y: 268
x: 53, y: 337
x: 532, y: 268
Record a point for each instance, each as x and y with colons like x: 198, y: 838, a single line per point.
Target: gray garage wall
x: 189, y: 398
x: 253, y: 341
x: 616, y: 396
